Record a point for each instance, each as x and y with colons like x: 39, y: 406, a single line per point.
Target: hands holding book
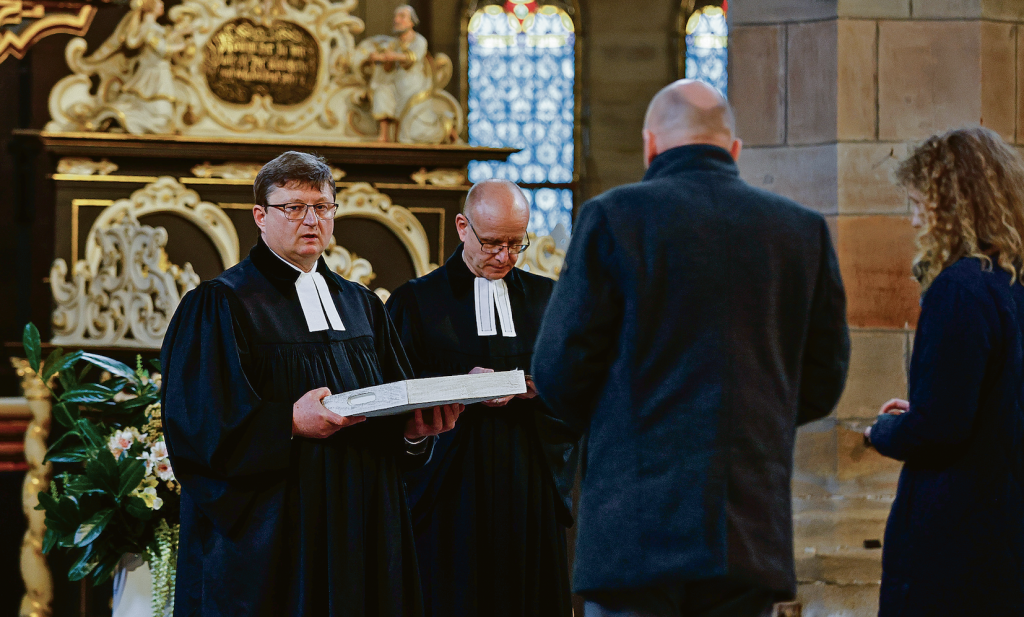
x: 311, y: 419
x: 531, y: 391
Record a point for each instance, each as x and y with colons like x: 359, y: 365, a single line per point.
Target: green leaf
x: 88, y: 393
x: 105, y: 569
x: 51, y: 359
x: 93, y: 527
x: 138, y: 401
x: 33, y: 347
x: 68, y: 380
x: 80, y: 485
x: 60, y: 363
x: 155, y: 363
x: 82, y: 566
x: 138, y: 509
x: 68, y: 449
x: 50, y: 539
x: 102, y: 471
x: 66, y: 414
x: 109, y: 364
x: 91, y: 435
x: 132, y: 472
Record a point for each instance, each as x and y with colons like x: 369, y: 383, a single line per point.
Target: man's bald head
x: 498, y: 199
x: 688, y: 112
x: 496, y: 213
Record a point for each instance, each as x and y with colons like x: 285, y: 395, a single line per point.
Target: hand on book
x: 494, y: 402
x: 427, y: 422
x: 531, y: 390
x: 311, y: 419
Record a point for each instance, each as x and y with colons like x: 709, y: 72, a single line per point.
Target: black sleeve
x: 581, y: 325
x: 404, y: 312
x: 955, y: 337
x: 394, y: 364
x: 827, y: 351
x: 223, y: 439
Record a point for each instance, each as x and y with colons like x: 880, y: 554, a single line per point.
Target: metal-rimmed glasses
x: 493, y: 248
x: 296, y: 210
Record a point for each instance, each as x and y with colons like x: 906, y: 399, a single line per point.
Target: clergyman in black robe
x: 287, y: 509
x: 490, y: 509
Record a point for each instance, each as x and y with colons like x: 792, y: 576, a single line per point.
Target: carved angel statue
x: 406, y: 85
x: 138, y: 94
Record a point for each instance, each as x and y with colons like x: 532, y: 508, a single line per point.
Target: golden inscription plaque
x: 244, y: 58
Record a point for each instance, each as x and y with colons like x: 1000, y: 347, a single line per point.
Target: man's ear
x: 737, y: 147
x: 650, y: 147
x: 259, y: 214
x: 461, y: 226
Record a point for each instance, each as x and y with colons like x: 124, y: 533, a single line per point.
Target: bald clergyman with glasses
x: 287, y: 509
x: 489, y: 511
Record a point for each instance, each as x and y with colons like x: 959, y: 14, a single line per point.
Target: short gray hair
x: 412, y: 13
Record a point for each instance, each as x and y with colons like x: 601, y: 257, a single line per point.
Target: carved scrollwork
x: 362, y: 200
x: 127, y: 296
x: 85, y: 167
x: 439, y: 177
x: 543, y: 257
x: 168, y: 195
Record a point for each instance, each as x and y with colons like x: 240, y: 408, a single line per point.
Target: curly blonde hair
x: 973, y: 187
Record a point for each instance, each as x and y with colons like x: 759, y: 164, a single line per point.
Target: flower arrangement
x: 119, y: 495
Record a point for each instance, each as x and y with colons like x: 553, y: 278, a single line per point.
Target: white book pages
x: 401, y: 396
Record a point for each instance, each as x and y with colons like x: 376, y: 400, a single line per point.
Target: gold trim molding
x: 439, y: 177
x: 15, y: 12
x: 38, y: 598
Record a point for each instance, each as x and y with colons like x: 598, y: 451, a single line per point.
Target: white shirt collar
x: 489, y: 295
x: 315, y: 298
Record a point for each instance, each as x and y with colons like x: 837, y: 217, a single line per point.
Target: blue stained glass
x: 522, y: 95
x: 707, y: 48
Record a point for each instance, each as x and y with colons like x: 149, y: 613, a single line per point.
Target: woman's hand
x: 895, y: 407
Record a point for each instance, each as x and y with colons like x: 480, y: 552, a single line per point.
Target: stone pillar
x: 829, y: 95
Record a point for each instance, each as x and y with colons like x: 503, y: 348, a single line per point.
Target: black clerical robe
x: 491, y: 507
x: 272, y: 525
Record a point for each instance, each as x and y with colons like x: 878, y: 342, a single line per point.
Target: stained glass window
x: 521, y: 73
x: 707, y: 46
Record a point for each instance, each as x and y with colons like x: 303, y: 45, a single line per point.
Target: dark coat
x: 954, y: 544
x: 697, y: 321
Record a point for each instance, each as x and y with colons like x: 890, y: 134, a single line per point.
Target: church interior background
x: 828, y: 94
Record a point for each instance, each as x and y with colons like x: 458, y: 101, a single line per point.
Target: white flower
x: 163, y: 470
x: 121, y: 441
x: 159, y: 449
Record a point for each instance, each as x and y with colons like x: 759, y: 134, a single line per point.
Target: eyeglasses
x: 296, y: 210
x: 493, y: 248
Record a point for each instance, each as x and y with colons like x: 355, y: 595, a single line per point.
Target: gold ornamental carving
x: 242, y: 171
x: 23, y: 23
x: 363, y: 200
x: 167, y: 195
x: 85, y: 167
x: 543, y: 257
x: 244, y: 68
x: 125, y: 291
x: 35, y: 572
x: 439, y: 177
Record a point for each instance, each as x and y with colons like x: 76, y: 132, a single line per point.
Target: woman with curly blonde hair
x: 954, y: 542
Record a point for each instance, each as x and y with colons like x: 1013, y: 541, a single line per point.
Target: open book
x: 400, y: 396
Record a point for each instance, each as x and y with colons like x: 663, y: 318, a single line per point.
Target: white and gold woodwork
x: 124, y: 292
x: 243, y: 68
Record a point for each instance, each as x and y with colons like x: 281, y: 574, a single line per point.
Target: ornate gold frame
x: 12, y: 12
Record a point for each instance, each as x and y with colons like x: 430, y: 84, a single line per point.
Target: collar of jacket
x: 697, y: 157
x: 461, y: 279
x: 283, y: 276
